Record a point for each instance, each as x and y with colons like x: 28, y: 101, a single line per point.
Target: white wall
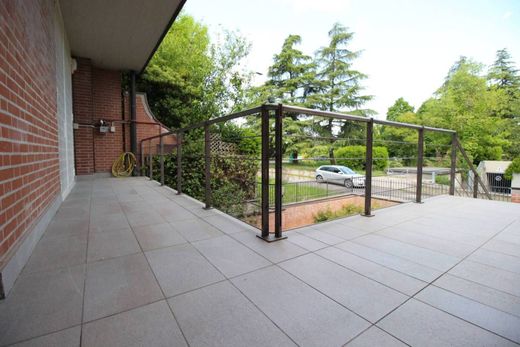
x: 64, y: 104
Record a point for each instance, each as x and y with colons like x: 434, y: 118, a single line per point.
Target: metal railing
x: 270, y: 195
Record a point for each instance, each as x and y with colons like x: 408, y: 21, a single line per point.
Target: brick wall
x: 148, y: 126
x: 29, y: 173
x: 96, y: 95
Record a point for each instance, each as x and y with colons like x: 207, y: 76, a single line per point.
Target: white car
x: 340, y: 175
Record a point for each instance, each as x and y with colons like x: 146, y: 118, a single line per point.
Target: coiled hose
x: 124, y: 165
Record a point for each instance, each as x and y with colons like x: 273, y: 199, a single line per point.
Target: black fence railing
x: 248, y: 173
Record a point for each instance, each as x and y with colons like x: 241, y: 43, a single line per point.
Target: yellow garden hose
x: 124, y: 165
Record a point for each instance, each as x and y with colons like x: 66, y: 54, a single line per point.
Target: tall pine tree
x: 339, y: 86
x: 291, y: 72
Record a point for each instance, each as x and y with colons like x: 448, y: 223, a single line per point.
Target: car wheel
x: 319, y: 178
x: 348, y: 184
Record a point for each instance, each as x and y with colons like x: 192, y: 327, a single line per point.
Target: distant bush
x: 345, y: 211
x: 513, y: 168
x: 354, y: 157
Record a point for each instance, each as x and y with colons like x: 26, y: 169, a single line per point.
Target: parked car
x: 340, y: 175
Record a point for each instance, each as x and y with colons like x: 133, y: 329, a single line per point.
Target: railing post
x: 161, y: 145
x: 368, y: 169
x: 265, y: 173
x: 420, y: 163
x: 179, y: 162
x: 475, y: 187
x: 141, y: 166
x: 278, y: 172
x: 207, y: 164
x: 453, y: 166
x: 150, y: 159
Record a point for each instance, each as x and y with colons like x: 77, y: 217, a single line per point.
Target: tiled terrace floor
x: 128, y: 263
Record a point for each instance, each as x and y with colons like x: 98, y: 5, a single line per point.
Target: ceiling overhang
x: 118, y: 34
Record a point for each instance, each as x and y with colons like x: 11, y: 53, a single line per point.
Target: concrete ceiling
x: 117, y: 34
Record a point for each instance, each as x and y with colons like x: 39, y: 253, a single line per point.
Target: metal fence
x: 259, y: 198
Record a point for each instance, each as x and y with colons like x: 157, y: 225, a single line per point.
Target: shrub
x: 513, y: 168
x: 346, y: 210
x: 354, y: 157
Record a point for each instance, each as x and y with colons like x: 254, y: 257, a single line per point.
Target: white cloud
x: 507, y: 15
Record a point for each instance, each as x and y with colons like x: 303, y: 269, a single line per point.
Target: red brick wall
x: 96, y: 95
x: 147, y: 125
x: 29, y: 172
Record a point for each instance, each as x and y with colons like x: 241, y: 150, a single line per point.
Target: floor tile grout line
x: 157, y: 282
x: 431, y: 283
x: 469, y: 322
x: 43, y: 335
x: 85, y: 273
x: 231, y: 282
x: 365, y: 276
x: 474, y: 300
x: 494, y: 267
x: 386, y: 266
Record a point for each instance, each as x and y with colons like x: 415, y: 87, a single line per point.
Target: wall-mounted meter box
x: 104, y: 129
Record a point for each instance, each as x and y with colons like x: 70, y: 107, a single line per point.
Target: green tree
x: 191, y: 79
x: 291, y: 73
x: 465, y: 103
x: 339, y: 84
x: 504, y: 80
x: 399, y: 107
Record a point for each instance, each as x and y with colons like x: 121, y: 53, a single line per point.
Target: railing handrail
x: 265, y: 112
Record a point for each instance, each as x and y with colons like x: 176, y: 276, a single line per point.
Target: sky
x: 407, y: 46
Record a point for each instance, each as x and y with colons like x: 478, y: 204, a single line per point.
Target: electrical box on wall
x: 103, y: 127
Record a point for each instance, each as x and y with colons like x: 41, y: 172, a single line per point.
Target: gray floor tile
x: 489, y: 276
x: 41, y: 303
x: 405, y: 266
x: 503, y: 247
x: 340, y: 229
x: 275, y: 252
x: 501, y: 323
x: 305, y: 242
x: 56, y: 251
x: 486, y: 295
x: 59, y: 227
x: 365, y: 297
x: 456, y: 249
x: 111, y: 244
x: 321, y: 236
x: 138, y: 219
x: 413, y: 253
x: 307, y: 316
x: 418, y: 324
x: 367, y: 224
x: 181, y: 268
x: 375, y: 337
x: 173, y: 212
x: 391, y: 278
x: 64, y: 338
x: 229, y: 256
x: 158, y: 236
x: 498, y: 260
x: 196, y: 230
x: 108, y: 222
x: 219, y: 315
x: 118, y: 284
x: 150, y: 325
x: 226, y: 224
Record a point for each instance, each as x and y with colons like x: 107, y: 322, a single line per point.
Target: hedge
x: 354, y: 157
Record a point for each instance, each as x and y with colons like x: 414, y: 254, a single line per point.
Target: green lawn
x: 296, y: 192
